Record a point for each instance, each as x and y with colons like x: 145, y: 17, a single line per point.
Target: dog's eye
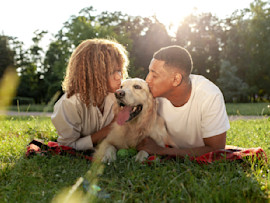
x: 137, y: 87
x: 121, y: 87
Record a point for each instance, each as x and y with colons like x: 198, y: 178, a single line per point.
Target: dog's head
x: 134, y: 99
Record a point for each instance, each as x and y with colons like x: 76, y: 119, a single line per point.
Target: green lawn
x: 46, y: 179
x: 257, y: 109
x: 31, y: 108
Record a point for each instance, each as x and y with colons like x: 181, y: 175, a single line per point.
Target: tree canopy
x: 234, y: 52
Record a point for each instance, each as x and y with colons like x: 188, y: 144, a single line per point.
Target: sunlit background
x: 228, y: 40
x: 21, y: 18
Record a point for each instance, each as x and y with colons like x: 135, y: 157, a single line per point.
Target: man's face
x: 159, y: 79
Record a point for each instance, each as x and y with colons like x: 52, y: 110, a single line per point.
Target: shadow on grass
x: 39, y: 179
x: 182, y: 180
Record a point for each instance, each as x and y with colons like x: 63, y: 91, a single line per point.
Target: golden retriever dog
x: 137, y: 118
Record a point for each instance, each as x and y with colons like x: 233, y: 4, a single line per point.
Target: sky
x: 20, y: 18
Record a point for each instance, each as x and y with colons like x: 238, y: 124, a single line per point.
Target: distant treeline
x: 234, y: 53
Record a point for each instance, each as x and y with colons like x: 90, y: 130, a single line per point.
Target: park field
x: 71, y: 179
x: 255, y: 109
x: 248, y: 109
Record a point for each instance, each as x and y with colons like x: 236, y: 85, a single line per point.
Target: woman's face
x: 114, y: 81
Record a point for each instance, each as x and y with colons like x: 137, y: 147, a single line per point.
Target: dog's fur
x: 127, y: 134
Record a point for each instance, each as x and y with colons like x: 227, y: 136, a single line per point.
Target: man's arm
x: 211, y: 144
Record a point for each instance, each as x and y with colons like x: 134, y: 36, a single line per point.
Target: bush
x: 233, y: 88
x: 23, y: 101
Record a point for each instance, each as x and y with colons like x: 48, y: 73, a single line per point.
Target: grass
x: 256, y: 109
x: 52, y: 178
x: 31, y: 108
x: 248, y: 109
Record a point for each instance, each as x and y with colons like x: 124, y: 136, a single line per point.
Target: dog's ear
x: 156, y: 104
x: 151, y: 105
x: 149, y: 115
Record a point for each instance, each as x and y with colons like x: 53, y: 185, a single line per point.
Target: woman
x: 83, y: 114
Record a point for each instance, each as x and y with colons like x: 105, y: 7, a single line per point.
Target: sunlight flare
x: 8, y: 86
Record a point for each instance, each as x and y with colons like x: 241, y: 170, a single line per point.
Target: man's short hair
x: 175, y: 56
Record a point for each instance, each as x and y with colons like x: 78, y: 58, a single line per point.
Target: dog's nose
x: 119, y: 94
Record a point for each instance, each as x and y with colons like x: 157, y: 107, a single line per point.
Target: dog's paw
x: 110, y: 155
x: 141, y: 156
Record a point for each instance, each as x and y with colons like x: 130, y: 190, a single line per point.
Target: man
x: 193, y: 107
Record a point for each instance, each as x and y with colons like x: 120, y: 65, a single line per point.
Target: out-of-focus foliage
x: 233, y: 88
x: 247, y: 46
x: 233, y: 52
x: 6, y: 55
x: 31, y: 70
x: 202, y: 36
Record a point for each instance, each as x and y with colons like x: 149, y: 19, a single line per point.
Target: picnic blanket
x: 229, y: 153
x: 37, y: 147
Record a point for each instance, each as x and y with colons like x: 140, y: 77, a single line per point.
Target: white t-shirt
x: 74, y: 122
x: 203, y: 116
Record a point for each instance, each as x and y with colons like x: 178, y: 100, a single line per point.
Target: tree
x: 6, y: 55
x: 75, y: 30
x: 247, y: 46
x: 202, y: 36
x: 258, y: 45
x: 242, y: 40
x: 30, y: 68
x: 153, y: 37
x: 233, y: 88
x: 55, y: 63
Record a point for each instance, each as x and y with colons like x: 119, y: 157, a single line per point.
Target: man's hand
x: 211, y: 144
x: 150, y: 146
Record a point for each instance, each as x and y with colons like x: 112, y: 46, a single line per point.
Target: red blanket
x: 36, y: 147
x: 230, y: 153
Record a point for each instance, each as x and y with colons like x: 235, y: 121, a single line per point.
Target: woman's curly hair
x: 89, y: 68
